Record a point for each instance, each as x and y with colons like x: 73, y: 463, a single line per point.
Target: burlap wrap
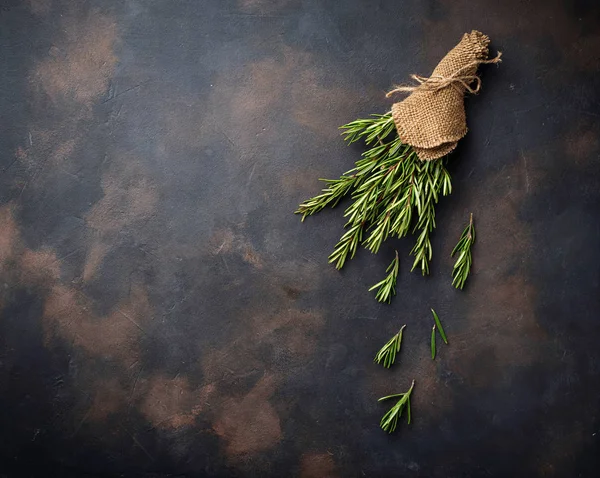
x: 432, y: 119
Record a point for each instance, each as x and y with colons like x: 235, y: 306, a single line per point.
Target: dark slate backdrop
x: 163, y: 312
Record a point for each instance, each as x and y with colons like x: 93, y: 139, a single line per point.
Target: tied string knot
x: 456, y: 80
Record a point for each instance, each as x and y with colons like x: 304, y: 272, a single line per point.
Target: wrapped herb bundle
x: 398, y: 181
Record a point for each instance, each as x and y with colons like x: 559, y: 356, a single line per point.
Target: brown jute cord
x: 432, y: 117
x: 434, y: 83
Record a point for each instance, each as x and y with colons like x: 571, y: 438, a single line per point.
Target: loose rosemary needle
x: 387, y: 355
x: 390, y: 419
x: 437, y: 326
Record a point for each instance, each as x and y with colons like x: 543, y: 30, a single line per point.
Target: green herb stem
x: 389, y: 422
x: 462, y: 267
x: 387, y: 286
x: 387, y: 355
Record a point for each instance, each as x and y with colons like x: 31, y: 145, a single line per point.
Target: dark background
x: 163, y: 312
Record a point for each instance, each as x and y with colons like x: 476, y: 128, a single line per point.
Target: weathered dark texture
x: 164, y: 313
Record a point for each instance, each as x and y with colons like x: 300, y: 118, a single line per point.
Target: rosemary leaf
x: 433, y: 343
x: 439, y: 326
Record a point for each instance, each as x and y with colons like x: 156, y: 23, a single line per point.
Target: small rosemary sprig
x: 390, y: 419
x: 389, y: 186
x: 387, y: 287
x: 462, y: 267
x: 387, y: 355
x: 437, y: 326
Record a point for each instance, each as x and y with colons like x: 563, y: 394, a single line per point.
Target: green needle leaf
x: 433, y: 343
x: 439, y: 326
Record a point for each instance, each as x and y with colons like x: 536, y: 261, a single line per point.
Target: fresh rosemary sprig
x: 388, y: 185
x: 437, y: 326
x: 387, y: 355
x: 390, y: 419
x: 462, y: 267
x: 387, y: 287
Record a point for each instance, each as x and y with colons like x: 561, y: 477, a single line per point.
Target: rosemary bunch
x: 393, y: 193
x: 462, y: 267
x: 390, y: 419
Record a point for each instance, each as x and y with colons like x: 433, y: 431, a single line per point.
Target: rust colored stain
x: 251, y: 257
x: 172, y: 403
x: 129, y: 197
x: 293, y: 333
x: 431, y: 394
x: 74, y: 75
x: 225, y: 241
x: 39, y: 266
x: 259, y: 93
x: 34, y: 267
x: 109, y: 397
x: 9, y: 233
x: 317, y: 465
x: 304, y: 181
x: 81, y: 63
x: 250, y: 424
x: 318, y: 107
x: 246, y: 100
x: 69, y: 313
x: 288, y: 279
x: 62, y: 152
x: 503, y: 331
x: 94, y: 258
x: 582, y: 143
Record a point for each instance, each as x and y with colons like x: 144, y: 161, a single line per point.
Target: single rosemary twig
x: 387, y: 355
x: 390, y: 419
x: 462, y: 267
x: 387, y: 287
x: 389, y: 186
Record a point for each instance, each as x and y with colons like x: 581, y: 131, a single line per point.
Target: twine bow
x: 456, y: 80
